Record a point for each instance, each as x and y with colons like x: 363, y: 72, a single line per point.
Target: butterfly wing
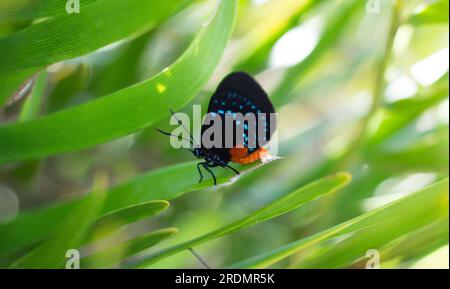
x: 240, y: 93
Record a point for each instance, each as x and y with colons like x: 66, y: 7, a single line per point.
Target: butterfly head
x: 211, y: 156
x: 198, y: 153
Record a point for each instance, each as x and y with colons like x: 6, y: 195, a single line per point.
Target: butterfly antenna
x: 181, y: 123
x: 199, y: 258
x: 171, y: 135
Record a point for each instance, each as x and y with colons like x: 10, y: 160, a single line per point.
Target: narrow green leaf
x: 112, y: 222
x: 419, y: 243
x: 116, y: 219
x: 32, y: 105
x: 33, y: 9
x: 11, y: 79
x: 133, y: 213
x: 435, y: 13
x: 429, y: 153
x: 66, y: 89
x: 34, y: 226
x: 397, y: 115
x: 111, y: 78
x: 127, y: 110
x: 419, y: 208
x: 120, y: 252
x: 68, y: 234
x: 353, y: 248
x: 281, y: 206
x: 97, y: 25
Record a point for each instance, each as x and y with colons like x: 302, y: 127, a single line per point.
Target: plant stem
x: 379, y: 86
x: 381, y: 71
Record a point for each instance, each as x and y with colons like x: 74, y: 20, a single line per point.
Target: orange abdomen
x: 240, y: 155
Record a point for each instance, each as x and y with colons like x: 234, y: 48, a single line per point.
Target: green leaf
x: 435, y: 13
x: 76, y: 28
x: 99, y: 24
x: 34, y: 226
x: 429, y: 153
x: 65, y: 91
x: 279, y: 207
x: 353, y: 248
x: 32, y: 105
x: 68, y: 234
x: 419, y: 243
x: 334, y: 28
x: 111, y: 77
x: 416, y: 209
x: 397, y: 115
x: 131, y: 214
x: 120, y: 252
x: 33, y: 9
x: 127, y: 110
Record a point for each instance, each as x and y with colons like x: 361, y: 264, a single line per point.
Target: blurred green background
x: 360, y: 86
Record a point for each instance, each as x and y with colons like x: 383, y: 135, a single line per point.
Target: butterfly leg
x: 200, y: 171
x: 205, y: 165
x: 233, y: 169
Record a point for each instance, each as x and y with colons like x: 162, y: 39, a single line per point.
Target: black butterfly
x: 237, y: 93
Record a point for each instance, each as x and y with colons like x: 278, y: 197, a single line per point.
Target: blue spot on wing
x: 239, y: 93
